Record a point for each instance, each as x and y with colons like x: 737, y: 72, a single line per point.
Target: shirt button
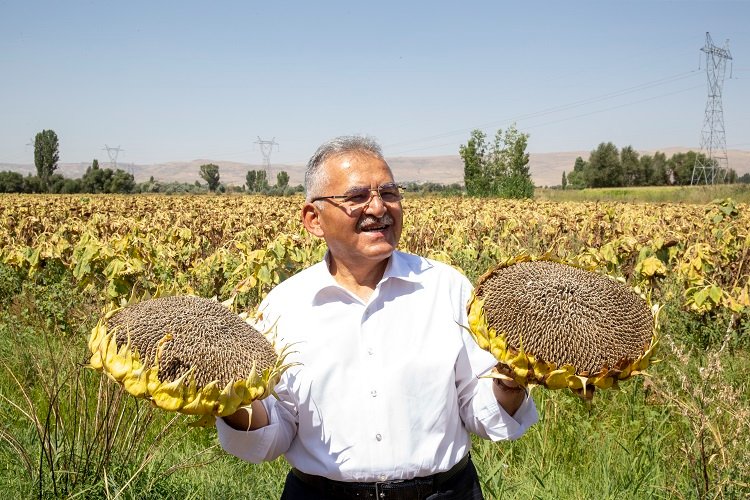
x: 374, y: 393
x: 378, y: 437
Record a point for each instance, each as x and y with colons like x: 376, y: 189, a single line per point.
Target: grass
x: 68, y: 432
x: 602, y: 450
x: 650, y: 194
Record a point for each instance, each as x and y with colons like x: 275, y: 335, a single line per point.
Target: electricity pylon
x: 112, y: 153
x: 713, y: 136
x: 266, y: 147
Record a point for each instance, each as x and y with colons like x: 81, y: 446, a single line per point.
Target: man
x: 387, y: 387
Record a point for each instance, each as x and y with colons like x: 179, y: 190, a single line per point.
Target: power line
x: 581, y: 115
x: 556, y: 109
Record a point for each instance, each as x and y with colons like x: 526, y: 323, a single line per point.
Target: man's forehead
x: 356, y: 167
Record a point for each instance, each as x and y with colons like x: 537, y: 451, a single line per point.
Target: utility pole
x: 713, y: 136
x: 266, y: 147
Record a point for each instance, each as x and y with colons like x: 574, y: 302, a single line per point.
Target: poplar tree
x: 46, y: 155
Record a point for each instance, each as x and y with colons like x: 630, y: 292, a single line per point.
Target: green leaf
x: 114, y: 268
x: 700, y: 297
x: 264, y: 274
x: 715, y: 293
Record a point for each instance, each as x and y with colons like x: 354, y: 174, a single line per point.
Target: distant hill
x: 546, y: 168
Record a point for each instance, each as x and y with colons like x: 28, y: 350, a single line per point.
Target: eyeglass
x: 361, y: 197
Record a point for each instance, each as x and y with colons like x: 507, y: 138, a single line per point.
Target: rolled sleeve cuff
x: 252, y: 446
x: 498, y: 424
x: 266, y: 443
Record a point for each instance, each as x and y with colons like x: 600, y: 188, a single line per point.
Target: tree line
x: 498, y: 168
x: 256, y: 181
x: 609, y: 167
x: 106, y: 180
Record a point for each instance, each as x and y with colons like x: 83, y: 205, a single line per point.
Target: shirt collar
x: 402, y: 266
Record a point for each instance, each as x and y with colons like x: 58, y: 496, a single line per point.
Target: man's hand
x: 509, y: 394
x: 248, y: 418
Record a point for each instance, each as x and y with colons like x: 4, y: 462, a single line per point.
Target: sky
x: 178, y: 81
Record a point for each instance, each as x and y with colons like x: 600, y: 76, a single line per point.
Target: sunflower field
x: 680, y: 432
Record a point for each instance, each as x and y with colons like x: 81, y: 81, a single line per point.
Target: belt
x: 399, y: 489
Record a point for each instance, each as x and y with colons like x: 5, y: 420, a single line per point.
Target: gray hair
x: 315, y: 176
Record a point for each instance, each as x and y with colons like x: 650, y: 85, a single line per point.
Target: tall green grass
x: 650, y: 194
x: 68, y: 432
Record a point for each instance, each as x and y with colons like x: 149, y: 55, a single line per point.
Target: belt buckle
x: 379, y: 493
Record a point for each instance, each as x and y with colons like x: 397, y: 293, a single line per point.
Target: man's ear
x: 311, y: 220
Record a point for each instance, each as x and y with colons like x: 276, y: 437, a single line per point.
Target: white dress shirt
x: 385, y: 389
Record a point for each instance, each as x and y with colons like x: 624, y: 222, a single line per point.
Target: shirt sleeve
x: 273, y: 440
x: 491, y: 419
x: 266, y: 443
x: 479, y: 410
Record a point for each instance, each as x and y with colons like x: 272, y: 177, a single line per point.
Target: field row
x: 242, y: 246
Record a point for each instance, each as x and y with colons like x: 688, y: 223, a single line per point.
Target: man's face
x: 369, y: 234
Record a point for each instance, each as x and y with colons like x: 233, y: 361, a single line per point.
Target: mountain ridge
x: 546, y: 168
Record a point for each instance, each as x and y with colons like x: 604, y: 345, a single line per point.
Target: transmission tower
x: 112, y: 153
x: 266, y: 147
x: 713, y: 136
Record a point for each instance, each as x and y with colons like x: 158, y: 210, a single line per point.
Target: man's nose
x: 375, y: 206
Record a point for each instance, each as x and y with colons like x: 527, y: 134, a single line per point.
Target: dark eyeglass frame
x: 349, y: 200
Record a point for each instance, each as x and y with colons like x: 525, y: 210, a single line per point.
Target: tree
x: 282, y: 179
x: 657, y: 176
x: 604, y: 167
x: 71, y: 186
x: 46, y: 155
x: 564, y: 182
x: 95, y: 180
x: 512, y: 177
x: 473, y: 155
x: 632, y: 174
x: 55, y: 183
x: 257, y: 181
x: 500, y: 169
x: 680, y: 167
x: 732, y: 176
x: 261, y: 181
x: 250, y: 180
x: 210, y: 173
x: 577, y: 179
x: 121, y: 182
x: 11, y: 182
x: 32, y: 184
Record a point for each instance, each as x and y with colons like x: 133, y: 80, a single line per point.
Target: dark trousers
x: 464, y: 486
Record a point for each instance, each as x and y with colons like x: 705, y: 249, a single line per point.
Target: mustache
x: 371, y: 220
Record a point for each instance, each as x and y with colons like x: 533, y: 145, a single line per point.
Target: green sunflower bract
x: 186, y: 354
x: 559, y: 326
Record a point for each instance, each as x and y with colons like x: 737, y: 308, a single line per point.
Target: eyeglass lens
x: 363, y: 196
